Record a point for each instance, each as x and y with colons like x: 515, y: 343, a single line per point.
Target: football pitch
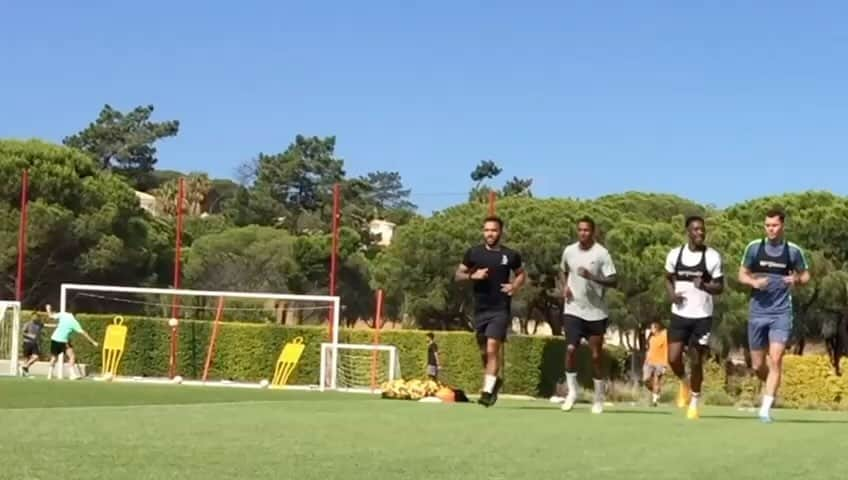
x: 84, y: 429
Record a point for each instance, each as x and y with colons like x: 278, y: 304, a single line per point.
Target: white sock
x: 655, y: 397
x: 599, y: 390
x: 768, y: 400
x: 489, y: 383
x: 571, y: 382
x: 693, y: 401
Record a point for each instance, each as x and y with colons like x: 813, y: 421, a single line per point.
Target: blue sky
x: 719, y: 102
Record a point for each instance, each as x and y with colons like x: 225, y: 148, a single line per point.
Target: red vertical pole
x: 175, y: 303
x: 211, y: 352
x: 492, y: 197
x: 22, y: 234
x: 378, y: 322
x: 334, y: 254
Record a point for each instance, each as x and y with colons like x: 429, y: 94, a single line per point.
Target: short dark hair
x: 586, y: 219
x: 430, y: 335
x: 694, y: 218
x: 776, y: 212
x: 494, y: 218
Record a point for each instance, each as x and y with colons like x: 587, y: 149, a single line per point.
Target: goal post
x: 212, y: 306
x: 10, y: 336
x: 358, y: 367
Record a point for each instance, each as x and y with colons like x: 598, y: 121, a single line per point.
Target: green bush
x: 248, y: 352
x: 809, y: 382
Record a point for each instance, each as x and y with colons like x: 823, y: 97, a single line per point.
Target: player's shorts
x: 58, y: 347
x: 766, y: 329
x: 577, y: 328
x: 492, y: 324
x: 694, y: 332
x: 651, y: 370
x: 30, y: 349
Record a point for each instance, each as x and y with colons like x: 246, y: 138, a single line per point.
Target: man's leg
x: 494, y: 335
x: 657, y: 386
x: 778, y: 337
x: 699, y: 348
x: 596, y: 345
x: 679, y: 333
x: 573, y: 333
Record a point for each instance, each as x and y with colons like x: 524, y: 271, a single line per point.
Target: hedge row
x: 533, y: 365
x: 248, y: 352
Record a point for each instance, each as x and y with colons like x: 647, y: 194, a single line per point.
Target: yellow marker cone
x: 287, y: 361
x: 113, y: 347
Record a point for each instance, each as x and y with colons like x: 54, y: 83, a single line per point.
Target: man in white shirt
x: 590, y: 271
x: 693, y: 275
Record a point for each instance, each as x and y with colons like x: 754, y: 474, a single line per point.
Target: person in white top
x: 693, y: 275
x: 590, y: 271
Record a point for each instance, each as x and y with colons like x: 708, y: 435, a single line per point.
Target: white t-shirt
x: 698, y: 303
x: 588, y: 302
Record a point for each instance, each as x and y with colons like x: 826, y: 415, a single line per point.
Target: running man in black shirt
x: 489, y: 267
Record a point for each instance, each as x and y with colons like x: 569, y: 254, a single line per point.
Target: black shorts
x: 30, y: 349
x: 58, y: 347
x: 577, y: 328
x: 694, y: 332
x: 492, y: 324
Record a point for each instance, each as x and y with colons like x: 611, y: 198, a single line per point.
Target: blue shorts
x: 766, y: 329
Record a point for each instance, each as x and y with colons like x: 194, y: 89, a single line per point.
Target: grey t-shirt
x: 588, y: 302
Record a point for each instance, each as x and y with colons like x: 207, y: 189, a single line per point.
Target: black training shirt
x: 500, y: 262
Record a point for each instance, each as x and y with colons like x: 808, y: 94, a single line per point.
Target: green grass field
x: 88, y: 430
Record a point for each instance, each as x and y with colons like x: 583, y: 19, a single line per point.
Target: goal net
x: 10, y: 333
x: 202, y: 336
x: 358, y: 368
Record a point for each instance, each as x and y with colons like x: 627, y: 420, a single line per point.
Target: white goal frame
x: 330, y: 351
x: 334, y: 301
x: 15, y: 333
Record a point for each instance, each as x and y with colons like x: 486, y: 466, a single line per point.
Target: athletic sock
x: 571, y: 382
x: 768, y: 400
x: 693, y: 401
x: 599, y: 390
x: 489, y: 383
x: 655, y: 397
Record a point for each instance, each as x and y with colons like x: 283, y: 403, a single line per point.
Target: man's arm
x: 518, y: 280
x: 465, y: 271
x: 88, y: 337
x: 608, y: 277
x: 716, y: 285
x: 800, y: 268
x: 745, y: 277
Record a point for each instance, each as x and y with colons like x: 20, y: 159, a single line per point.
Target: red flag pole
x: 175, y: 303
x: 378, y: 322
x: 215, y: 326
x: 334, y: 254
x: 22, y: 236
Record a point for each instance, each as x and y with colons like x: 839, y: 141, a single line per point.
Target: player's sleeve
x: 517, y: 263
x: 76, y: 326
x: 607, y: 267
x: 670, y: 260
x: 798, y: 258
x: 715, y: 267
x: 749, y: 258
x: 468, y: 259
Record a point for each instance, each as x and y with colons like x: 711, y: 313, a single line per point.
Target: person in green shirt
x: 60, y: 341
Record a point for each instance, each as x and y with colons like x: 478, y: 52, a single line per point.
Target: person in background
x: 656, y: 361
x: 433, y: 363
x: 31, y: 341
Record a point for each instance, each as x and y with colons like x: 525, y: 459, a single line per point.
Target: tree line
x: 270, y: 231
